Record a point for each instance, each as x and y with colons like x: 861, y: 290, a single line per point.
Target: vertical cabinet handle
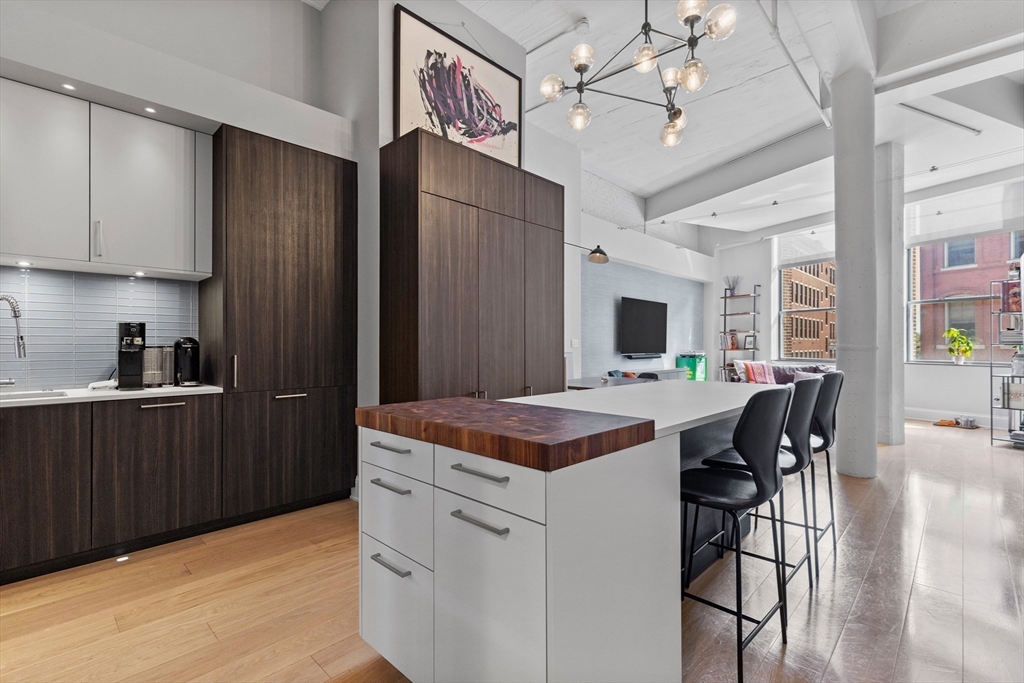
x: 484, y: 392
x: 100, y: 244
x: 402, y: 573
x: 458, y: 514
x: 530, y: 390
x: 234, y: 371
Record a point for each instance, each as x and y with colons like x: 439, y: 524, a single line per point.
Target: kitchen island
x: 535, y: 539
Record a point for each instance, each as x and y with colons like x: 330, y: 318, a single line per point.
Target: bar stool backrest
x: 801, y: 416
x: 758, y: 438
x: 825, y: 410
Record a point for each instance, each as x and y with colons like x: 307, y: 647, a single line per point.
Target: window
x: 960, y: 253
x: 963, y: 315
x: 807, y: 315
x: 1016, y: 244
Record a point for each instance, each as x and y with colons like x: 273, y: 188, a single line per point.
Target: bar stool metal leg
x: 693, y: 543
x: 831, y: 504
x: 807, y: 533
x: 780, y: 573
x: 739, y: 601
x: 814, y: 519
x: 782, y: 547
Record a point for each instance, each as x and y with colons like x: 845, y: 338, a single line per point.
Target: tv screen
x: 642, y: 326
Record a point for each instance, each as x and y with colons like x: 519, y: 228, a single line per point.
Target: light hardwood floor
x: 927, y: 585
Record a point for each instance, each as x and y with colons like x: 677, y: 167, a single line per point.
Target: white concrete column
x: 891, y: 281
x: 853, y: 111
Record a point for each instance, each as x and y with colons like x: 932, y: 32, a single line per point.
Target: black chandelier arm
x: 630, y: 42
x: 627, y: 67
x: 669, y: 35
x: 627, y: 97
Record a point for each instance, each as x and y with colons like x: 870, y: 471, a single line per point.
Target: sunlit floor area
x: 927, y: 585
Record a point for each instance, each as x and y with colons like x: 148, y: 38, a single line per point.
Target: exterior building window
x: 1016, y: 244
x: 807, y: 315
x: 960, y: 253
x: 963, y: 316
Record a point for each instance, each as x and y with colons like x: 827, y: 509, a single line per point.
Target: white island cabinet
x: 511, y: 573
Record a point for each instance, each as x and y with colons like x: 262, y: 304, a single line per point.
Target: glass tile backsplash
x: 69, y: 321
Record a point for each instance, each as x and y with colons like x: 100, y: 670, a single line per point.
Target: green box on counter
x: 695, y: 364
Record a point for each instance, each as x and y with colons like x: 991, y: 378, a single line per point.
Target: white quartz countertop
x: 674, y: 405
x: 46, y: 398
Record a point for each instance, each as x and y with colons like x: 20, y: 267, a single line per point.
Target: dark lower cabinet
x: 284, y: 447
x: 44, y: 483
x: 156, y: 466
x: 545, y: 367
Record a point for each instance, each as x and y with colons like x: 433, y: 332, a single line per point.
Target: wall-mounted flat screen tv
x: 642, y: 327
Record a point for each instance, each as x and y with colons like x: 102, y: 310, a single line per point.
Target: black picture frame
x: 397, y: 76
x: 749, y: 342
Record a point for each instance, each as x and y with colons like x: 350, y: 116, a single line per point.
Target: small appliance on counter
x: 186, y: 362
x: 131, y: 345
x: 158, y: 366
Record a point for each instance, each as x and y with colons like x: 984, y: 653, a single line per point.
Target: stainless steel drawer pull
x: 459, y: 467
x: 457, y: 514
x: 163, y: 405
x: 234, y: 371
x: 402, y: 573
x: 291, y: 396
x: 389, y: 487
x: 384, y: 446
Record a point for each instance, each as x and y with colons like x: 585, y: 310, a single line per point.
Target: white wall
x: 272, y: 45
x: 355, y: 34
x: 944, y: 391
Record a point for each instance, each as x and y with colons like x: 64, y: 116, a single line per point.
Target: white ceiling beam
x: 780, y: 157
x: 1000, y: 98
x: 840, y: 34
x: 981, y: 180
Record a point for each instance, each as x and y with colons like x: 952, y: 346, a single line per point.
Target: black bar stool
x: 822, y: 440
x: 756, y: 440
x: 793, y: 460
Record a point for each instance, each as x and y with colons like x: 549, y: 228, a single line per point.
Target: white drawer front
x: 398, y: 453
x: 397, y: 609
x: 399, y: 512
x: 506, y: 486
x: 489, y: 594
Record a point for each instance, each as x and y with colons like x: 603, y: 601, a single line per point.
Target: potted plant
x: 960, y: 345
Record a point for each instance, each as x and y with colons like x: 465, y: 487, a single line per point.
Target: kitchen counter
x: 47, y: 398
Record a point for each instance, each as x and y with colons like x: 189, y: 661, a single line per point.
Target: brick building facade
x: 811, y: 334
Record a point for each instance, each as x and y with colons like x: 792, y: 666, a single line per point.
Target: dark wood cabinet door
x: 448, y: 293
x: 284, y: 447
x: 289, y: 247
x: 45, y: 455
x: 545, y: 294
x: 446, y: 168
x: 156, y: 466
x: 502, y: 355
x: 545, y: 202
x: 498, y: 187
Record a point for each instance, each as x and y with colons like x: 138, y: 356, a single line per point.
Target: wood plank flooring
x: 927, y: 585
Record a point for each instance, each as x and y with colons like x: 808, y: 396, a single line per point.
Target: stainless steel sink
x: 45, y: 393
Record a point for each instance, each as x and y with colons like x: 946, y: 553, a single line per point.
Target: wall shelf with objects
x: 1006, y: 325
x: 738, y: 341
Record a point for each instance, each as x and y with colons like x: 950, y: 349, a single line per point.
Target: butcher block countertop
x: 540, y: 437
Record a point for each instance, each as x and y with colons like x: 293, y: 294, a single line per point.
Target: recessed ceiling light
x: 139, y: 273
x: 151, y: 110
x: 24, y: 263
x: 68, y: 86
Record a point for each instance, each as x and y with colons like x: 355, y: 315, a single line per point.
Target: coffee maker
x: 186, y: 362
x: 131, y: 340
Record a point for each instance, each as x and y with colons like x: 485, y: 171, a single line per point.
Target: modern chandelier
x: 719, y: 24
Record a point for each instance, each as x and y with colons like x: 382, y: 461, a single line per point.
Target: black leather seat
x: 756, y: 441
x: 730, y: 459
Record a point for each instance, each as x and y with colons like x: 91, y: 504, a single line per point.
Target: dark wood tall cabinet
x: 278, y: 318
x: 45, y: 492
x: 471, y: 275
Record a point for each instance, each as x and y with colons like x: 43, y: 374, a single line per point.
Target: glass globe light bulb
x: 695, y: 75
x: 720, y: 22
x: 670, y: 77
x: 645, y: 58
x: 552, y: 87
x: 671, y: 134
x: 689, y: 12
x: 579, y: 116
x: 581, y: 58
x: 680, y: 117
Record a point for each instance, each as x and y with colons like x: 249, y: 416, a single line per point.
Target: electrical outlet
x: 574, y: 343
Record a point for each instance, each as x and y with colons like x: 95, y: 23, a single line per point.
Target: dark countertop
x: 540, y: 437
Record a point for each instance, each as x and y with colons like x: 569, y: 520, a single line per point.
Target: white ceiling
x: 751, y: 98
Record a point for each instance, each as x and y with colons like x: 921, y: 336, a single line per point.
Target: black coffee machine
x: 131, y: 343
x: 186, y: 362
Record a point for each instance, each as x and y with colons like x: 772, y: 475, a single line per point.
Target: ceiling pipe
x: 943, y: 119
x: 773, y: 31
x: 581, y: 27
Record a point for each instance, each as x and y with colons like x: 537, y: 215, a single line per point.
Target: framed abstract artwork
x: 446, y: 87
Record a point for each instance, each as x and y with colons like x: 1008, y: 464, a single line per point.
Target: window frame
x: 781, y: 313
x: 974, y: 253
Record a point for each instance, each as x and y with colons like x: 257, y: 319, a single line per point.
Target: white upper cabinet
x: 143, y: 176
x: 44, y: 174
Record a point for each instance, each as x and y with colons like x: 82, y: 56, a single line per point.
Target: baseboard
x: 931, y: 415
x: 107, y: 552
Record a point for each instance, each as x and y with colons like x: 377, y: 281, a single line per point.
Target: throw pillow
x: 760, y: 372
x: 741, y: 369
x: 631, y: 375
x: 798, y: 375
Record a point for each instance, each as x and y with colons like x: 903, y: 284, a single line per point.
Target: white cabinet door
x: 143, y: 191
x: 489, y: 594
x: 44, y: 173
x: 396, y: 610
x: 398, y: 511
